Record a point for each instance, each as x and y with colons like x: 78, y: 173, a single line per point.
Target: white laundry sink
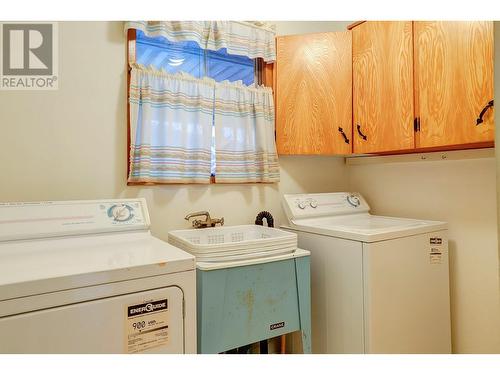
x: 232, y: 243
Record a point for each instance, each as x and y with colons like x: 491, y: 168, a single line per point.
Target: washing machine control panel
x: 308, y: 202
x: 325, y: 204
x: 353, y: 200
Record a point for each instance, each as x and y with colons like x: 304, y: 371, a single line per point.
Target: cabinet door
x: 314, y: 94
x: 383, y: 86
x: 454, y: 82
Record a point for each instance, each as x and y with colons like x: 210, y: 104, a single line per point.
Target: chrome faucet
x: 208, y: 222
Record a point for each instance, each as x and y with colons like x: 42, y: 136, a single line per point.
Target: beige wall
x: 71, y: 144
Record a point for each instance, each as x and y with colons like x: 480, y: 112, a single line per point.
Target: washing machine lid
x: 366, y: 227
x: 89, y: 250
x: 346, y: 215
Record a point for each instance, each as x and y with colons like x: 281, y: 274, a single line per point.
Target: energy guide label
x: 435, y: 250
x: 146, y: 326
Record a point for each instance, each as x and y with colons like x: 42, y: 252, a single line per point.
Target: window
x: 188, y: 57
x: 232, y: 115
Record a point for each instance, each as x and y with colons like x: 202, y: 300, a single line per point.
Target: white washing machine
x: 378, y: 284
x: 88, y: 277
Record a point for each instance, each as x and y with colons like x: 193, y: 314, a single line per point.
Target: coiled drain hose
x: 269, y: 218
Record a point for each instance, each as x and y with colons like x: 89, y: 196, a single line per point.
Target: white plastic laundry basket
x: 232, y: 243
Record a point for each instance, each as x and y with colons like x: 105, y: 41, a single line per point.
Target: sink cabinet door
x: 238, y: 306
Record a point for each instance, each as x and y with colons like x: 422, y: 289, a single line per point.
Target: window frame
x: 264, y: 76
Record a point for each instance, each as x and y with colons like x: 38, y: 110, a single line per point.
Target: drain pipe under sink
x: 259, y: 220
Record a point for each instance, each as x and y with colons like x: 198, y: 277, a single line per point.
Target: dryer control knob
x: 121, y: 212
x: 313, y: 204
x: 301, y: 205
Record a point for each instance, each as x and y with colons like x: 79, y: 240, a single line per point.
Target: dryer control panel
x: 25, y: 220
x: 302, y: 206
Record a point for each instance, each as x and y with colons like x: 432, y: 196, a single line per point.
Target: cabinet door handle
x: 480, y: 118
x: 346, y: 140
x: 360, y: 133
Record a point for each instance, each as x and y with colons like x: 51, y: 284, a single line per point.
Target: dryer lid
x: 49, y: 265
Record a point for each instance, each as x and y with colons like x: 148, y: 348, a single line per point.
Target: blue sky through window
x: 190, y: 58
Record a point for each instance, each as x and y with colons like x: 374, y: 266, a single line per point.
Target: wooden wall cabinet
x: 382, y: 87
x: 313, y: 94
x: 391, y: 87
x: 453, y: 83
x: 422, y: 86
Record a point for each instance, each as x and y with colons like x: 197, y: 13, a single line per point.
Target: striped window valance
x: 239, y: 38
x: 171, y: 121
